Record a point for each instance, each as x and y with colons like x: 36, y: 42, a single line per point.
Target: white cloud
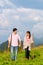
x: 14, y: 16
x: 19, y: 15
x: 23, y: 14
x: 38, y: 30
x: 31, y: 14
x: 36, y: 17
x: 23, y: 10
x: 3, y: 31
x: 3, y: 3
x: 3, y: 20
x: 5, y: 23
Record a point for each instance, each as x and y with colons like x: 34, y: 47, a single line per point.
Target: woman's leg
x: 26, y: 52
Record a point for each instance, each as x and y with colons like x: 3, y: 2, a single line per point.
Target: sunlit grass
x: 21, y: 60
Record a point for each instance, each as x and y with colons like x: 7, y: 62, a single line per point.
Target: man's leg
x: 16, y: 51
x: 12, y: 52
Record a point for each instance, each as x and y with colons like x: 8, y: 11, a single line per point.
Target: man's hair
x: 29, y: 34
x: 14, y: 29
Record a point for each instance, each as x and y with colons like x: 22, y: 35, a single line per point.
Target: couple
x: 13, y: 41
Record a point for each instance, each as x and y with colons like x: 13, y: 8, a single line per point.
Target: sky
x: 22, y: 14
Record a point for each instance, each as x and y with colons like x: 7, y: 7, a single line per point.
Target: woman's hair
x: 14, y: 29
x: 29, y: 34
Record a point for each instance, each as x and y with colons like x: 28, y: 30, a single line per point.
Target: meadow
x: 21, y: 60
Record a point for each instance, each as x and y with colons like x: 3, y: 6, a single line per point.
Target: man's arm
x: 8, y: 44
x: 9, y: 41
x: 19, y: 40
x: 24, y: 43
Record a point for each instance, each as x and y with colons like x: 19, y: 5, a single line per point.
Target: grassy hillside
x: 4, y: 46
x: 21, y: 60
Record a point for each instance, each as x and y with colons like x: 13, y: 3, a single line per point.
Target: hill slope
x: 4, y: 46
x: 38, y: 60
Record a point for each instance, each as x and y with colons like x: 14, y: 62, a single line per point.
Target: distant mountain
x: 4, y: 46
x: 38, y: 41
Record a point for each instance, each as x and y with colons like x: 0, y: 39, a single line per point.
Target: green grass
x: 21, y: 60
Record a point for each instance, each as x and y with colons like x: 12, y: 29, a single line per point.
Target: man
x: 13, y: 41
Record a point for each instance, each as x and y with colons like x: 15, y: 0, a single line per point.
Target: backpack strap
x: 11, y: 38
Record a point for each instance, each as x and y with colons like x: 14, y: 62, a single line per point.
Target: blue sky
x: 37, y: 4
x: 23, y: 14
